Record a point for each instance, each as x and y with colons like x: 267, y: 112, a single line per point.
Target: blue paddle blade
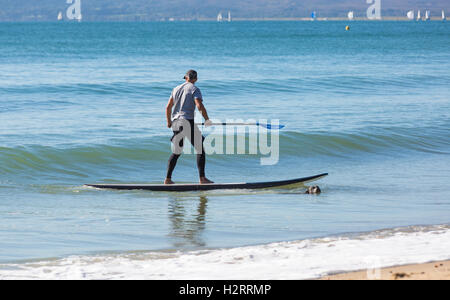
x: 272, y: 127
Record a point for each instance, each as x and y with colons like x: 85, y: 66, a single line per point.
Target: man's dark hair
x: 191, y: 74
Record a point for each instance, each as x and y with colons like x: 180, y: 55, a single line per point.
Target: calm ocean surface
x: 84, y: 103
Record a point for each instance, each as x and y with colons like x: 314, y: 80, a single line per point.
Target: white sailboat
x: 418, y: 15
x: 350, y: 15
x: 60, y: 16
x: 229, y: 16
x: 410, y: 15
x: 443, y: 15
x: 219, y: 17
x: 427, y: 15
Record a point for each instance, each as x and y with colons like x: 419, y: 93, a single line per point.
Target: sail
x: 418, y: 15
x: 229, y: 16
x: 60, y: 16
x: 219, y: 17
x: 427, y: 15
x: 410, y: 14
x: 350, y: 15
x: 313, y: 15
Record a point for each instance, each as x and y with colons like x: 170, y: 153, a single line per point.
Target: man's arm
x: 201, y: 108
x: 169, y: 112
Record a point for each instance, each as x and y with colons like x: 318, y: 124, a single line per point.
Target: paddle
x: 268, y: 126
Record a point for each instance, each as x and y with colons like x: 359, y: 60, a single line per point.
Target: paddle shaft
x: 231, y: 124
x: 268, y: 126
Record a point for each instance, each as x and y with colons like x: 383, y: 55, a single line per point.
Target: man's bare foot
x: 168, y: 181
x: 204, y: 180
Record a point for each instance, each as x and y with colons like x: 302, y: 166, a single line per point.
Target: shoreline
x: 436, y: 270
x: 328, y: 258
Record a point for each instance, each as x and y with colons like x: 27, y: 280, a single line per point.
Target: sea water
x: 85, y: 103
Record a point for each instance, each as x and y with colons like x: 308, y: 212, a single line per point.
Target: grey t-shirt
x: 184, y: 97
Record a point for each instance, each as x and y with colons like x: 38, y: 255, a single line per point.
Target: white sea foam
x: 286, y: 260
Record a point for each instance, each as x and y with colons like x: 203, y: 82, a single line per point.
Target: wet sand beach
x: 439, y: 270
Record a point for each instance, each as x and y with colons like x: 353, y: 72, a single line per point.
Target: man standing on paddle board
x: 180, y: 112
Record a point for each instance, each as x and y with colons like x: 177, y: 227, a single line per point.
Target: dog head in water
x: 313, y: 190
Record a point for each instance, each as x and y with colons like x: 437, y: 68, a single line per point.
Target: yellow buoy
x: 347, y: 28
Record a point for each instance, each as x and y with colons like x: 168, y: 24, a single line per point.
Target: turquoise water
x: 84, y: 103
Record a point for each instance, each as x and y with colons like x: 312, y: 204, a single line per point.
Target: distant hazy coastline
x: 134, y: 19
x: 317, y: 19
x: 160, y: 10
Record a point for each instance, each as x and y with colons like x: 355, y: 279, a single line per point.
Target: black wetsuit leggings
x: 192, y: 135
